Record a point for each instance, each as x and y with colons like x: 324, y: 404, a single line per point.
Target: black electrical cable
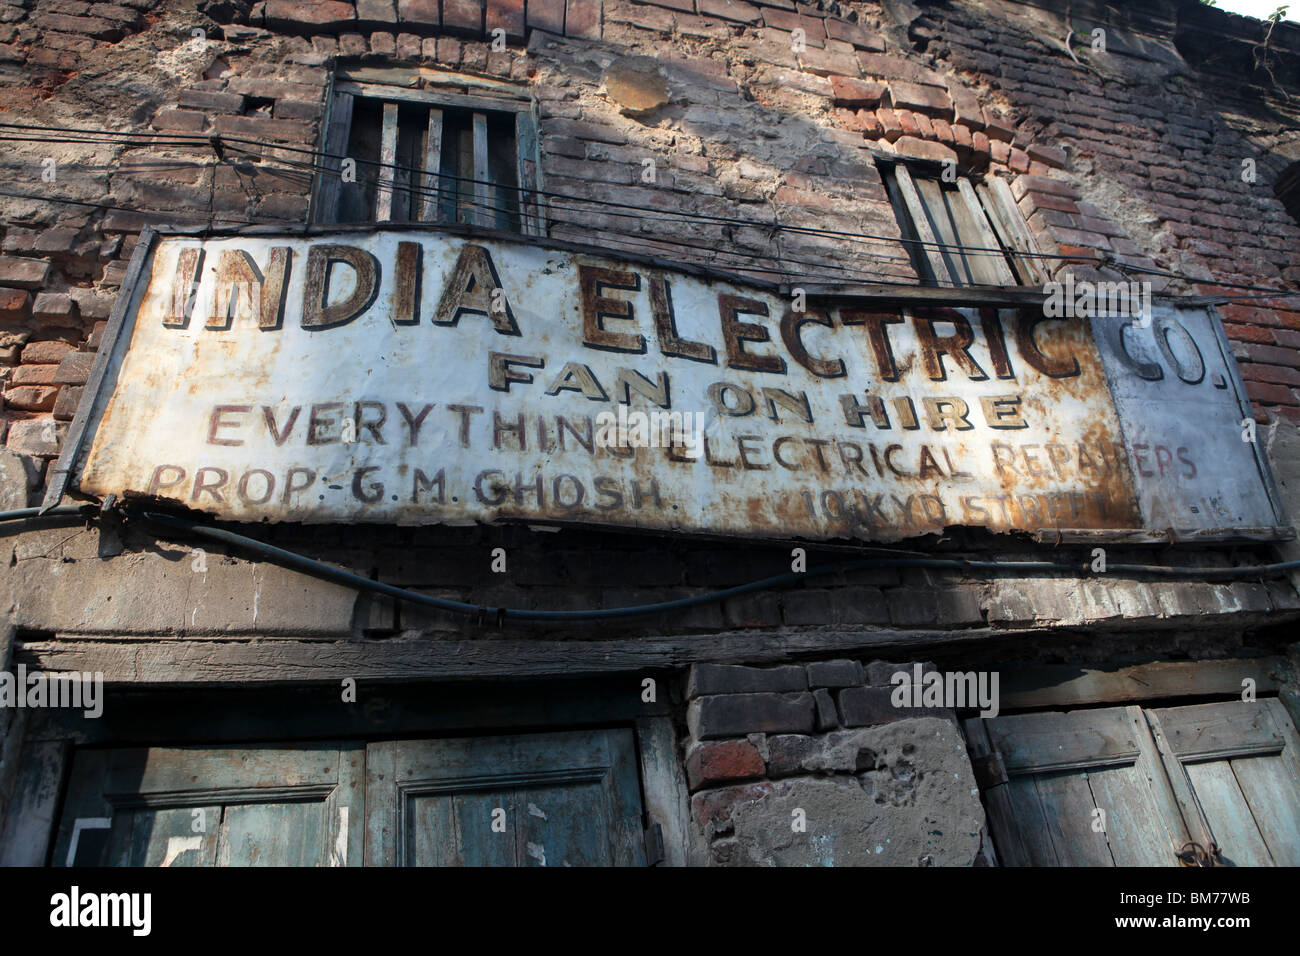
x: 208, y: 140
x: 326, y: 572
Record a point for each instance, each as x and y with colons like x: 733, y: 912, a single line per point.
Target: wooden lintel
x: 1060, y: 686
x: 267, y: 661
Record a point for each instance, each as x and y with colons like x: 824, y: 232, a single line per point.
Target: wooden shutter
x: 338, y: 127
x: 254, y: 805
x: 1062, y: 768
x: 1223, y: 775
x: 569, y: 798
x: 1242, y: 761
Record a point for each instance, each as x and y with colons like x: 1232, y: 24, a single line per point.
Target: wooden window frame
x: 438, y: 90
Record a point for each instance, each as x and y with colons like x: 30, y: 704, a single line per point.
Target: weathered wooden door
x: 1120, y: 786
x: 1243, y: 762
x: 558, y: 799
x: 1056, y: 771
x: 252, y: 805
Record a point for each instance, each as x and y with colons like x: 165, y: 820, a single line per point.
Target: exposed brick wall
x: 754, y: 130
x: 766, y: 744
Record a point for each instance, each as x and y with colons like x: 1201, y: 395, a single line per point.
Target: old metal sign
x: 421, y: 377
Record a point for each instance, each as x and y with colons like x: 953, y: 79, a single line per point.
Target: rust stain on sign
x: 417, y: 377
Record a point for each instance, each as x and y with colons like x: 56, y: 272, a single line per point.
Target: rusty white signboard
x: 419, y: 377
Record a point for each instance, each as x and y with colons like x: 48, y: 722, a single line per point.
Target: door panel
x: 256, y: 805
x: 1243, y: 761
x: 560, y: 799
x: 1226, y: 774
x: 1061, y: 769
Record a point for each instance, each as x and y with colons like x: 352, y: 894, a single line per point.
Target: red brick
x: 1047, y: 155
x: 24, y: 273
x: 548, y: 15
x: 850, y: 91
x: 46, y: 353
x: 313, y: 15
x: 907, y: 120
x: 259, y: 127
x: 383, y: 12
x: 826, y: 62
x: 32, y: 398
x: 924, y: 149
x: 212, y: 101
x: 1249, y: 333
x: 15, y: 305
x: 889, y: 123
x: 922, y: 99
x: 734, y: 10
x: 506, y: 15
x: 55, y: 308
x: 998, y: 127
x: 1043, y: 184
x: 33, y: 375
x: 855, y: 34
x: 714, y: 805
x: 1019, y: 160
x: 582, y: 19
x: 423, y: 12
x: 186, y: 120
x: 1277, y: 374
x: 97, y: 27
x: 1037, y: 200
x: 723, y: 762
x: 1000, y: 152
x: 1259, y: 392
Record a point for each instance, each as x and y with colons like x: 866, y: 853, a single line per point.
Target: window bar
x: 432, y: 164
x: 336, y: 145
x: 388, y: 160
x: 988, y: 237
x: 921, y: 226
x: 1003, y: 210
x: 483, y: 214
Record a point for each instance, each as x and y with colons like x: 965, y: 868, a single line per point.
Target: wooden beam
x: 527, y: 177
x: 432, y: 208
x: 387, y: 159
x: 1003, y: 211
x: 1058, y: 686
x: 1162, y: 537
x: 268, y: 662
x: 482, y: 192
x: 988, y: 238
x: 921, y: 224
x: 338, y: 130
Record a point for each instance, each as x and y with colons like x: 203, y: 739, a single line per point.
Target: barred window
x: 429, y: 148
x: 960, y: 230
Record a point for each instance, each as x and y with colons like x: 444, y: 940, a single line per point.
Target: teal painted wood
x: 1065, y: 767
x: 1231, y: 769
x: 1243, y: 761
x: 558, y: 799
x: 257, y: 805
